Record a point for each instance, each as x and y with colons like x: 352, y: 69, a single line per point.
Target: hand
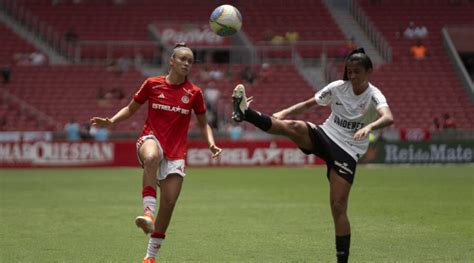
x: 362, y: 133
x: 216, y: 151
x: 101, y: 122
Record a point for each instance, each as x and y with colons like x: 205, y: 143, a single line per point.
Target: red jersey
x: 169, y: 113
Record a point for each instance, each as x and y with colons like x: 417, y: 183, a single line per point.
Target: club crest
x: 185, y: 99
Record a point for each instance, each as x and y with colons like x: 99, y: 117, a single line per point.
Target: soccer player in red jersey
x: 163, y: 141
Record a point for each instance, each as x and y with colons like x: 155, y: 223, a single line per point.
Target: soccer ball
x: 225, y: 20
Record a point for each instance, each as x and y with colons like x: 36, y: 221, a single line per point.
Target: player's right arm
x: 321, y: 98
x: 123, y: 114
x: 295, y: 109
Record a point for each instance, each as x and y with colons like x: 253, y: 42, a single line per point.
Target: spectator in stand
x: 277, y: 40
x: 6, y: 74
x: 436, y: 124
x: 71, y: 35
x: 415, y: 32
x: 85, y: 131
x: 292, y: 37
x: 248, y: 74
x: 99, y: 134
x: 265, y: 72
x: 419, y: 51
x: 216, y: 74
x: 22, y: 59
x: 449, y: 123
x: 235, y: 132
x: 409, y: 32
x: 421, y: 32
x: 72, y: 129
x: 211, y: 96
x: 124, y: 63
x: 37, y: 58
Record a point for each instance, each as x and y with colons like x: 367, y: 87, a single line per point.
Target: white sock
x: 154, y: 246
x: 149, y: 205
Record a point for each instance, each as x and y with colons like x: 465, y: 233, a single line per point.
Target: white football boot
x: 240, y: 103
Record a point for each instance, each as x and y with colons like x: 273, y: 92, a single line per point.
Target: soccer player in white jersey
x: 357, y: 108
x: 162, y: 144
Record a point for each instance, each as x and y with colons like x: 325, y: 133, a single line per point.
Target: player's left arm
x: 206, y: 131
x: 385, y: 119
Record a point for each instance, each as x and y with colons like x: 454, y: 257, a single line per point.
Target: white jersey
x: 349, y: 113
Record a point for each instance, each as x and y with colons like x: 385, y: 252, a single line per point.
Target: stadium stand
x: 65, y: 92
x: 282, y: 88
x: 12, y: 45
x: 99, y: 20
x: 430, y: 87
x: 421, y: 90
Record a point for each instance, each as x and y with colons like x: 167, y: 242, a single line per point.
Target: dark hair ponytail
x: 358, y: 56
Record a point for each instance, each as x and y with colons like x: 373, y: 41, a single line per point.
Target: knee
x: 151, y: 160
x: 338, y: 208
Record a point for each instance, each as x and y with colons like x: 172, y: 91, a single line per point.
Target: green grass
x: 398, y: 214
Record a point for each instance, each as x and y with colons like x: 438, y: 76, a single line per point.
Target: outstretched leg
x: 339, y: 196
x: 297, y: 131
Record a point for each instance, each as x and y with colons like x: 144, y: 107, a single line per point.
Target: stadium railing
x: 312, y: 52
x: 374, y: 35
x: 39, y: 28
x: 457, y: 62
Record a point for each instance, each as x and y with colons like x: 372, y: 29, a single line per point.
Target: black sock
x: 258, y: 119
x: 343, y: 244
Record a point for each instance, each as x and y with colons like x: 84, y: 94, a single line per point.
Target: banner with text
x: 67, y: 154
x: 420, y: 152
x: 191, y: 34
x: 250, y: 153
x: 122, y: 153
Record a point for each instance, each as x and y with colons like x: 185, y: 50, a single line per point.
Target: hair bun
x: 357, y: 50
x: 180, y: 44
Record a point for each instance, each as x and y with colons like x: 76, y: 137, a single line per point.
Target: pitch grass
x: 398, y: 214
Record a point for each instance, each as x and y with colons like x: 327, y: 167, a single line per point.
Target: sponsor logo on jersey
x: 351, y: 125
x: 324, y: 94
x: 375, y: 100
x: 158, y: 106
x: 188, y: 91
x: 362, y: 107
x: 185, y: 99
x: 161, y: 96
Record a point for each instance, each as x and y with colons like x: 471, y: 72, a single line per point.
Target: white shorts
x: 166, y: 166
